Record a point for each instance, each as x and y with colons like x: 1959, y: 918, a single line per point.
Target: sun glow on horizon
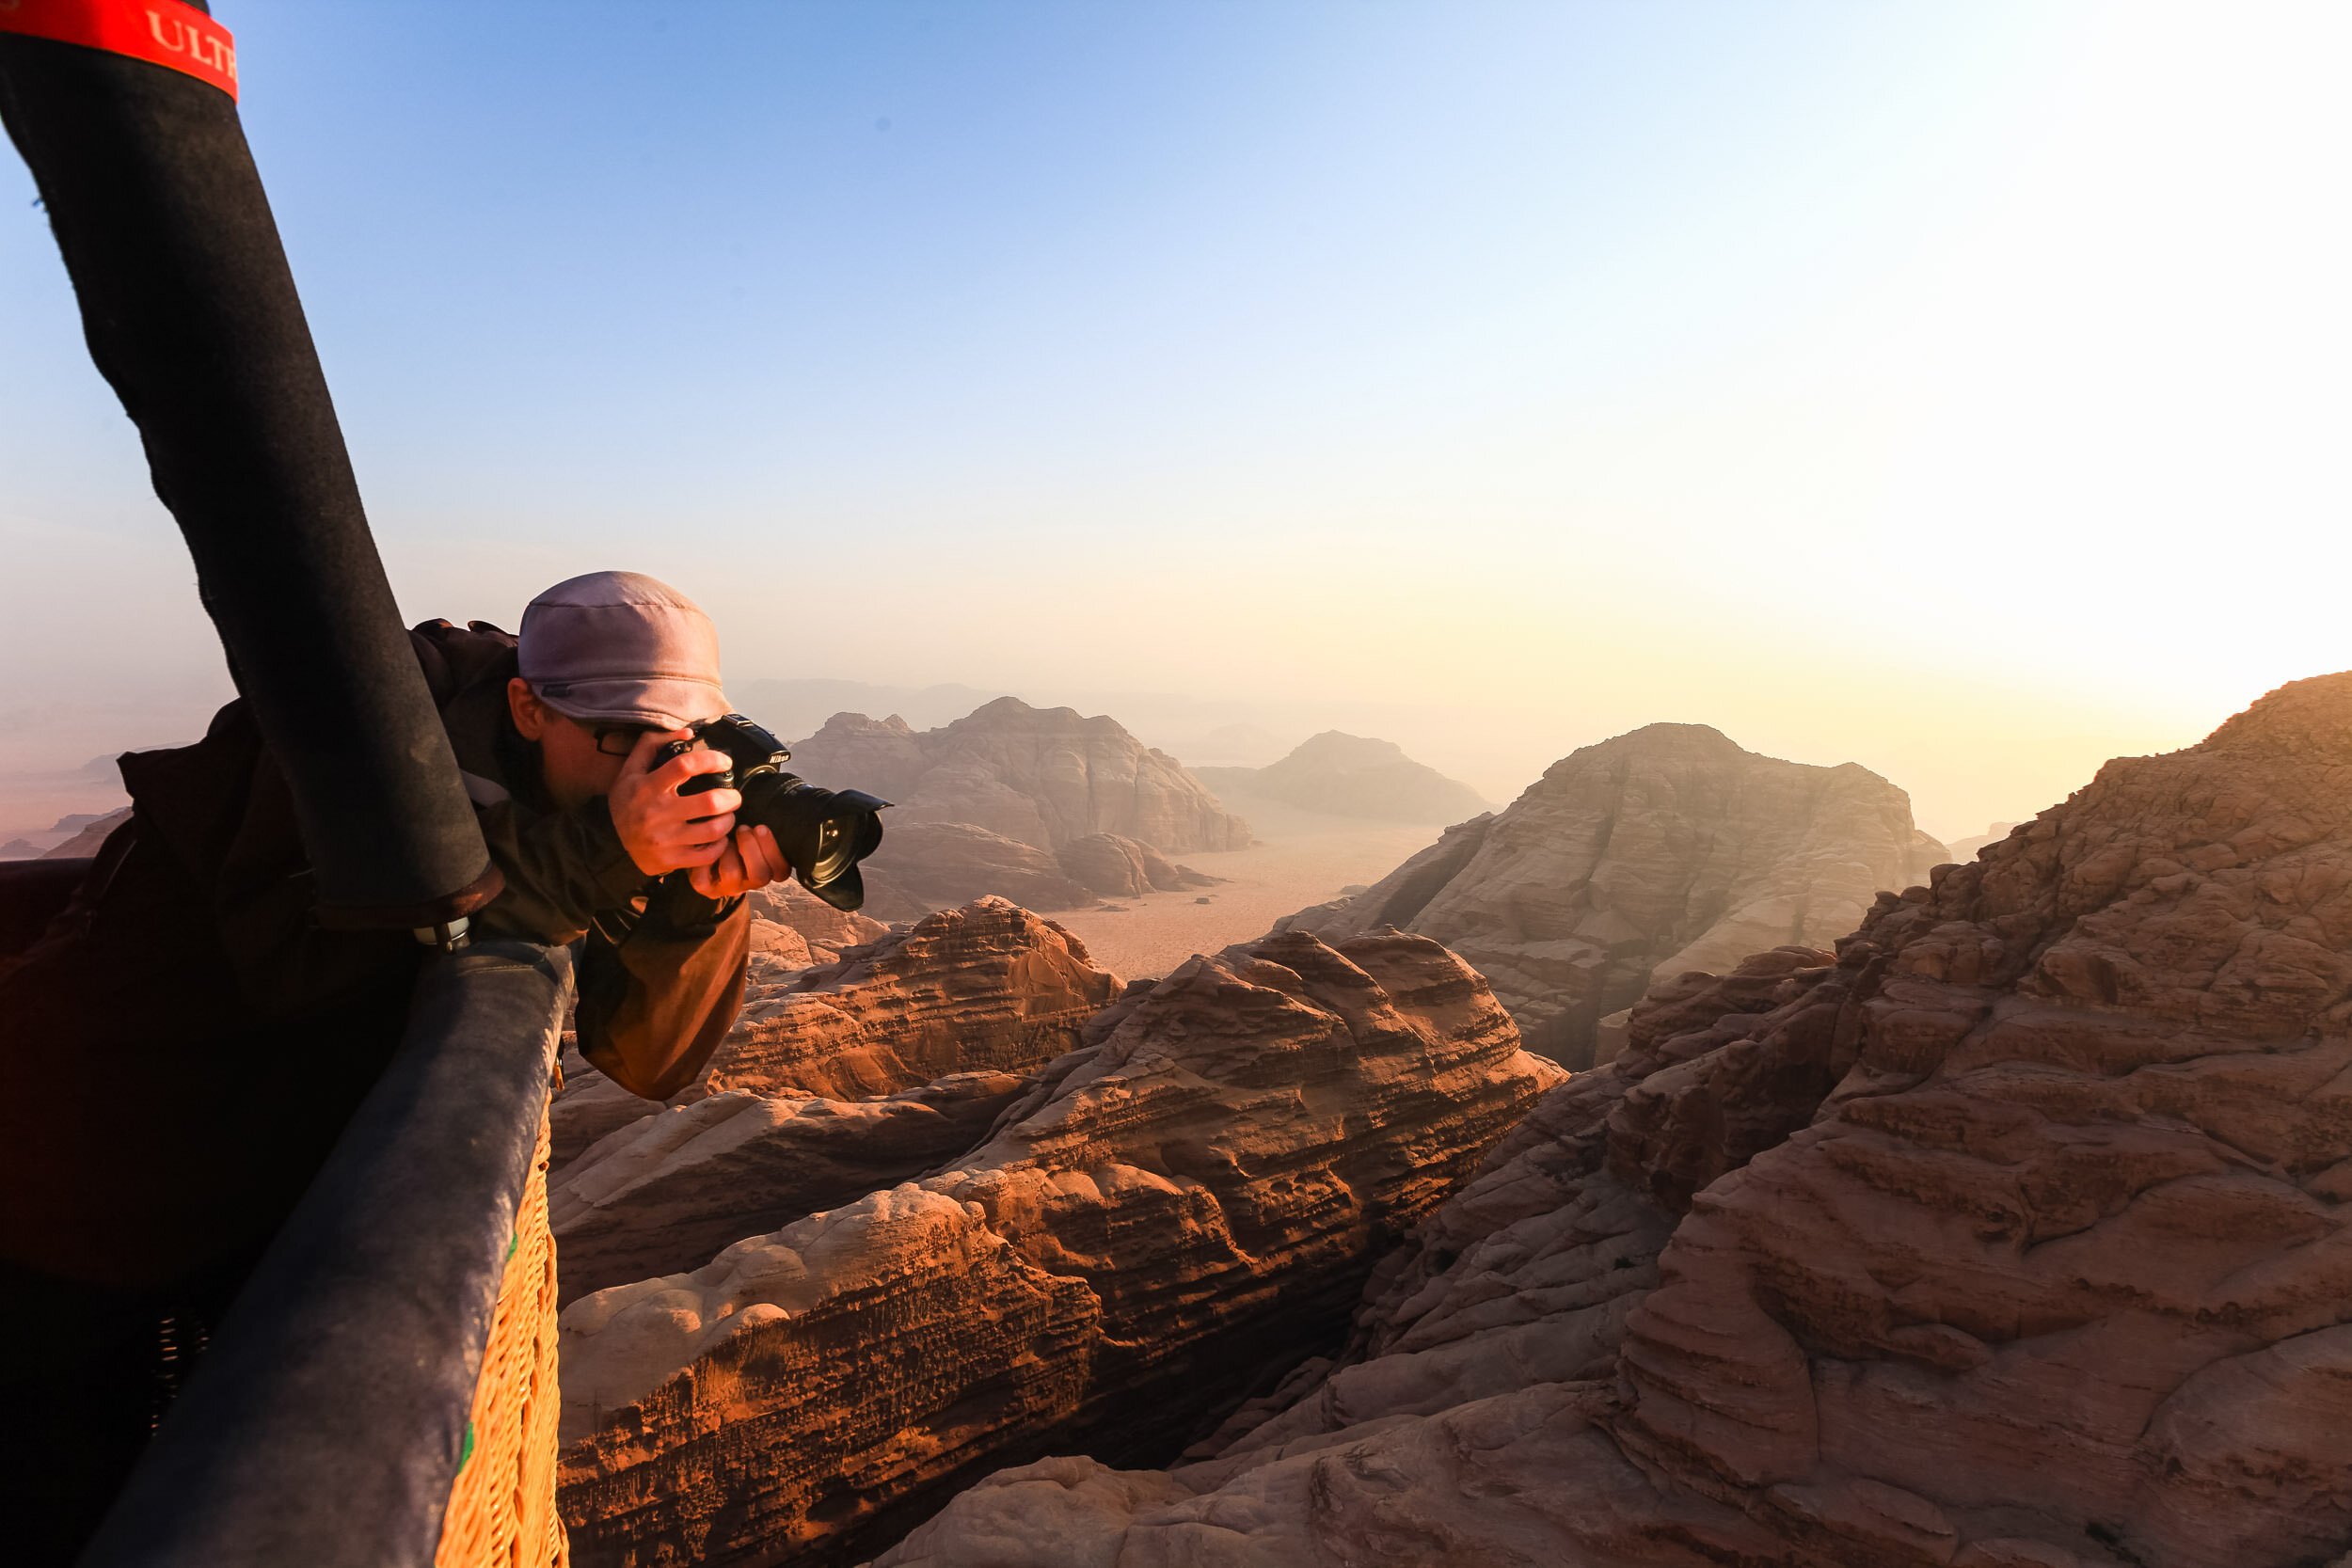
x: 1958, y: 391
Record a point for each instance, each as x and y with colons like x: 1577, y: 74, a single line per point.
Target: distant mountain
x: 1228, y: 746
x: 802, y: 707
x: 85, y: 843
x: 988, y: 803
x: 1965, y: 850
x: 1038, y: 776
x: 1349, y: 775
x: 1667, y: 849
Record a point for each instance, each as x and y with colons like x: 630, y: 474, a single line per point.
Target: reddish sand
x: 1303, y: 859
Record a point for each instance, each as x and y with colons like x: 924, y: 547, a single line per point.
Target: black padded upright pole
x: 325, y: 1425
x: 191, y: 313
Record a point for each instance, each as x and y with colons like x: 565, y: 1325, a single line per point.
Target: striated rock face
x: 923, y: 866
x: 669, y: 1190
x: 1965, y: 850
x: 2017, y: 1236
x: 1165, y: 1211
x: 1122, y: 868
x: 986, y: 987
x: 793, y: 929
x: 1664, y: 850
x: 822, y: 927
x: 90, y: 839
x: 1349, y: 775
x: 1044, y: 777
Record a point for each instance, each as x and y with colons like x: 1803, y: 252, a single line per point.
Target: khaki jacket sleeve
x: 561, y: 869
x: 654, y: 1005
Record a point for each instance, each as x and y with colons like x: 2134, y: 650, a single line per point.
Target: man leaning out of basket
x: 183, y: 1045
x: 556, y: 737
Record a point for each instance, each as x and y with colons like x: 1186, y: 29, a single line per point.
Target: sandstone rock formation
x: 986, y: 987
x: 1167, y: 1210
x: 2016, y: 1237
x: 822, y: 926
x: 1667, y: 849
x: 1348, y: 775
x: 792, y: 928
x: 86, y: 842
x: 1965, y: 850
x: 1122, y: 868
x: 922, y: 866
x: 1044, y: 777
x: 667, y: 1192
x: 989, y: 986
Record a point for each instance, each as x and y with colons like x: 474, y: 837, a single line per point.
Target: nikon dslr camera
x: 823, y: 832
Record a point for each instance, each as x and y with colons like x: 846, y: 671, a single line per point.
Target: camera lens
x: 836, y: 841
x: 823, y: 832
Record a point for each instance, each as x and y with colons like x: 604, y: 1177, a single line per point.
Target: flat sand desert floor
x: 1302, y: 858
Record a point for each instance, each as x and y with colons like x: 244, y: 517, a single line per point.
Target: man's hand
x: 662, y: 830
x: 751, y: 860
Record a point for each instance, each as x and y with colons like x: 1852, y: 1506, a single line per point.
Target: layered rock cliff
x: 667, y: 1192
x: 986, y: 987
x: 89, y: 838
x: 1167, y: 1212
x: 793, y: 928
x: 2015, y: 1237
x: 1044, y: 777
x: 925, y: 865
x: 1965, y: 850
x: 1349, y: 775
x: 1122, y: 868
x: 1667, y: 849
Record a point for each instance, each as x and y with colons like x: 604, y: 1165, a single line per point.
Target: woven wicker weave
x: 502, y: 1510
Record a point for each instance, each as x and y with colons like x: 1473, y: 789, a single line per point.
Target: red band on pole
x: 162, y: 32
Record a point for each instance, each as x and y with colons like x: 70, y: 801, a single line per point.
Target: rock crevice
x: 2013, y: 1236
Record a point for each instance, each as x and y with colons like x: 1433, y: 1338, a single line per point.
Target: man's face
x: 578, y: 761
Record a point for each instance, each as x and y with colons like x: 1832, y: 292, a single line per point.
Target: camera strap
x: 168, y: 33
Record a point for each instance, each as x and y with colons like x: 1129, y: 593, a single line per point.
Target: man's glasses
x: 618, y: 740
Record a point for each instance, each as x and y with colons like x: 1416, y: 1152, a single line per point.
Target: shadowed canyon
x: 1915, y: 1212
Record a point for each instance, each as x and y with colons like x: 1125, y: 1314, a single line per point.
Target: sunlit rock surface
x: 2055, y: 1273
x: 669, y: 1190
x: 987, y: 987
x: 1661, y: 851
x: 1167, y: 1214
x: 1044, y: 777
x: 1119, y: 868
x: 923, y: 866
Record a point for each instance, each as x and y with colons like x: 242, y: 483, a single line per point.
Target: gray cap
x: 622, y: 648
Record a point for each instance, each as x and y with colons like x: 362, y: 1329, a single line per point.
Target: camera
x: 823, y: 832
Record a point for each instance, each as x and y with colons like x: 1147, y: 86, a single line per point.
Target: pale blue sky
x: 1953, y: 387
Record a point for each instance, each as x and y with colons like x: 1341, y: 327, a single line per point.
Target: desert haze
x: 1619, y: 756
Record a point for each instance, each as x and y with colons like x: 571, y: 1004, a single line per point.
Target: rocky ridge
x: 1348, y: 775
x: 1044, y: 777
x: 1122, y: 868
x: 1011, y: 801
x: 923, y: 866
x: 2012, y: 1236
x: 1965, y: 850
x: 1194, y: 1190
x: 987, y: 987
x: 88, y: 838
x: 1667, y: 849
x: 792, y: 928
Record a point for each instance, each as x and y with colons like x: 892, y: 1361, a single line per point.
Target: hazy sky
x: 1960, y: 390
